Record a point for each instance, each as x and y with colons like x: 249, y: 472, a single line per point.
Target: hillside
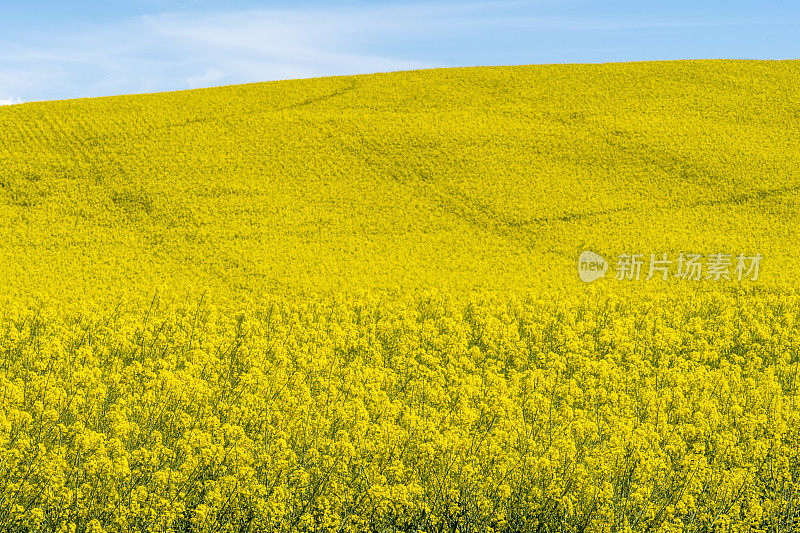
x: 353, y: 305
x: 460, y: 179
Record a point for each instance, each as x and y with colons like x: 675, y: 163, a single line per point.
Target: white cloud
x: 279, y: 44
x: 191, y: 50
x: 10, y: 101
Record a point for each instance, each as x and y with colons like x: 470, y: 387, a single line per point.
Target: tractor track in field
x: 103, y: 137
x: 522, y: 232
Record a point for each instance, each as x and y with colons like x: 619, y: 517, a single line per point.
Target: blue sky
x: 56, y: 49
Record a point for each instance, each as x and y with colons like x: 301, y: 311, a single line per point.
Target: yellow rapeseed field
x: 355, y: 304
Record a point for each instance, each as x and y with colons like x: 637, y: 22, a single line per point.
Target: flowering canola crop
x: 354, y: 304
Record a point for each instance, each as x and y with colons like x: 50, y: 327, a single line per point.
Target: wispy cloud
x: 10, y: 101
x: 190, y: 50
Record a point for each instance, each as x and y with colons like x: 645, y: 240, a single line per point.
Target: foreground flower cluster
x: 426, y: 415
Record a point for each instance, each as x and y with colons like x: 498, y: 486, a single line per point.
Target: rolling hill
x: 355, y: 304
x: 468, y: 180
